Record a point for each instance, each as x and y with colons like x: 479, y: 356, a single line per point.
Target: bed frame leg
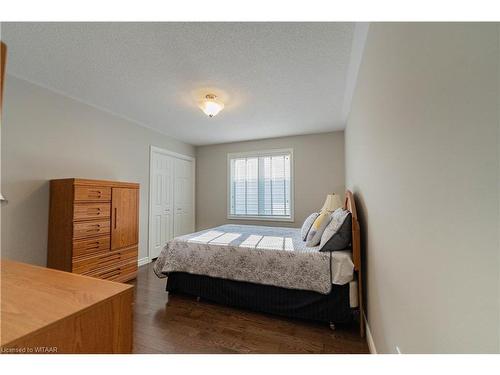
x: 332, y: 326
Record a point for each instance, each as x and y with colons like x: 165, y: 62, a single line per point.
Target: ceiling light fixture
x: 211, y: 106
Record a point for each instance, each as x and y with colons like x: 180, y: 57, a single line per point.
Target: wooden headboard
x: 3, y: 57
x: 350, y: 205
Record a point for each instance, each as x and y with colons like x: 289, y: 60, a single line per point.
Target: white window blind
x: 260, y: 185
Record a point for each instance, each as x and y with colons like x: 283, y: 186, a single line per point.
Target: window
x: 261, y: 185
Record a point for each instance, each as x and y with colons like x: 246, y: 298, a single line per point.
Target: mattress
x: 263, y: 255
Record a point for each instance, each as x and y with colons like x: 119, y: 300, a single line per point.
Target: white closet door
x: 183, y: 197
x: 162, y: 199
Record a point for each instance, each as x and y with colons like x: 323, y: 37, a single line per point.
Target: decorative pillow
x: 307, y: 225
x: 319, y: 225
x: 338, y: 233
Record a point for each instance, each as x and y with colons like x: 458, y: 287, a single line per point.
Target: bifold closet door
x: 183, y: 197
x: 162, y: 199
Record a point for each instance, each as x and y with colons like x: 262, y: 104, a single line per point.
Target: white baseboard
x: 369, y: 339
x: 143, y: 261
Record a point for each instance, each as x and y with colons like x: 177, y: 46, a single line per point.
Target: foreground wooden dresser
x: 49, y: 311
x: 93, y: 228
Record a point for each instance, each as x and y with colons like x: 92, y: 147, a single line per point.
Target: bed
x: 267, y: 269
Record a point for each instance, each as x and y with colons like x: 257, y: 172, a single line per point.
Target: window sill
x: 289, y: 219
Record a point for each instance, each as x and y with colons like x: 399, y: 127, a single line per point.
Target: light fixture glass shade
x: 332, y: 202
x: 211, y: 106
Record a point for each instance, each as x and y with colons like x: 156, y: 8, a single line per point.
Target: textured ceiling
x: 276, y: 79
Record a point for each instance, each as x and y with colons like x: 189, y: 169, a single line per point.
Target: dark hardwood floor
x: 184, y: 325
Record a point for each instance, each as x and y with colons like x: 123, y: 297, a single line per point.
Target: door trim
x: 160, y: 150
x: 169, y: 153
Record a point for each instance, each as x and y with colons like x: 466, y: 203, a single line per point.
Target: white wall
x: 318, y: 169
x: 45, y: 136
x: 422, y: 160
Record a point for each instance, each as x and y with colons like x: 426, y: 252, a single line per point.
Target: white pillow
x: 307, y: 225
x: 317, y: 229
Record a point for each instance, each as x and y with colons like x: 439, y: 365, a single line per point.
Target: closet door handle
x: 116, y: 217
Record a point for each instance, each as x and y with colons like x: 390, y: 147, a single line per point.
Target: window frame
x: 260, y: 153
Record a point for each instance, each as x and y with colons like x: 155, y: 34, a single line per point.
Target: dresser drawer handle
x: 111, y: 273
x: 93, y: 245
x: 95, y: 193
x: 107, y: 262
x: 110, y: 257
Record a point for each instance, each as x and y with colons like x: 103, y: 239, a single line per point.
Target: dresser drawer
x: 120, y: 272
x: 93, y: 245
x: 95, y: 263
x: 86, y: 211
x: 126, y: 274
x: 90, y: 228
x: 91, y: 193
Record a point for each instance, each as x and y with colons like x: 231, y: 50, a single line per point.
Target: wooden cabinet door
x: 124, y: 217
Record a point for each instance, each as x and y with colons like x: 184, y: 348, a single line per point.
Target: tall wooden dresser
x: 93, y: 228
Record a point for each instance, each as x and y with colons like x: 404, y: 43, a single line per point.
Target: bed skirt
x: 300, y: 304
